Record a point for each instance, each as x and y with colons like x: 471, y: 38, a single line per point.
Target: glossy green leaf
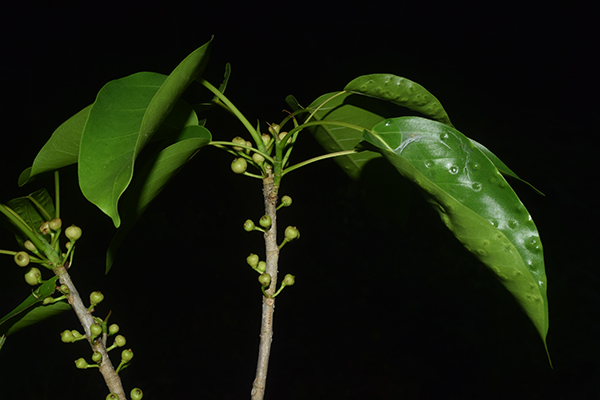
x: 474, y: 201
x: 400, y: 91
x: 34, y: 209
x: 360, y: 111
x: 31, y: 310
x: 152, y: 178
x: 126, y: 114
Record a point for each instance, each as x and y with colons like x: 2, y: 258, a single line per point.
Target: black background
x: 380, y: 310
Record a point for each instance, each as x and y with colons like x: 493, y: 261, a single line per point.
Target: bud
x: 274, y: 128
x: 45, y: 228
x: 73, y: 232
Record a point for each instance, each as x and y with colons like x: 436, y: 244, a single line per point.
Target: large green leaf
x: 31, y: 310
x: 400, y: 91
x: 34, y: 209
x: 156, y: 173
x: 474, y: 201
x: 126, y: 114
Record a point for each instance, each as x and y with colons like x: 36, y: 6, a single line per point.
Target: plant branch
x: 111, y: 378
x: 268, y: 304
x: 319, y: 158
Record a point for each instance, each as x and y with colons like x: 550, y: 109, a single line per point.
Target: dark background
x: 380, y: 310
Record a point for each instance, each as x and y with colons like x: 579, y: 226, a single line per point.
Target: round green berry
x: 33, y: 276
x: 97, y: 357
x: 120, y: 340
x: 30, y: 246
x: 136, y: 394
x: 289, y: 280
x: 48, y: 300
x: 95, y: 330
x: 81, y: 363
x: 261, y: 267
x: 112, y: 396
x: 265, y: 221
x: 239, y: 165
x: 126, y: 355
x: 55, y: 224
x: 291, y: 233
x: 238, y: 140
x: 113, y: 329
x: 274, y: 128
x: 22, y: 259
x: 45, y: 228
x: 252, y: 260
x: 264, y: 279
x: 67, y: 336
x: 64, y: 289
x: 73, y: 232
x: 286, y: 201
x: 96, y: 297
x: 249, y: 225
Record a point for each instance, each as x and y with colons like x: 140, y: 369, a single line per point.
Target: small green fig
x: 96, y: 297
x: 265, y: 221
x: 67, y: 336
x: 22, y: 259
x: 289, y: 280
x: 64, y: 289
x: 33, y: 277
x: 291, y: 233
x: 55, y: 224
x: 239, y: 165
x: 97, y: 357
x: 265, y: 138
x: 113, y: 329
x: 45, y: 228
x: 274, y: 128
x: 73, y: 232
x: 48, y: 300
x: 136, y: 394
x: 95, y: 330
x: 252, y: 260
x: 76, y: 334
x: 120, y: 340
x: 264, y: 279
x: 249, y: 225
x: 126, y: 355
x: 257, y: 158
x: 112, y: 396
x: 238, y: 140
x: 261, y: 267
x: 286, y: 201
x: 81, y: 363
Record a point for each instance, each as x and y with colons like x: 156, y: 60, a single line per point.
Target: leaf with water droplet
x: 476, y: 204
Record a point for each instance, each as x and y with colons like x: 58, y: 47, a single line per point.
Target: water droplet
x: 512, y: 224
x: 493, y: 180
x: 475, y: 166
x: 476, y: 186
x: 428, y: 164
x: 444, y: 136
x: 502, y: 184
x: 453, y: 169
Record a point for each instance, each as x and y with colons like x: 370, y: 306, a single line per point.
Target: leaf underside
x: 474, y: 201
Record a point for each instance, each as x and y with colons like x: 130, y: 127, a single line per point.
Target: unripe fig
x: 265, y: 221
x: 126, y: 355
x: 289, y: 280
x: 96, y: 297
x: 33, y: 276
x: 238, y: 140
x: 30, y: 246
x: 112, y: 396
x: 136, y: 394
x: 264, y: 279
x: 282, y: 135
x: 76, y: 334
x: 97, y: 357
x: 249, y: 144
x: 81, y: 363
x: 239, y: 166
x: 291, y: 233
x: 261, y: 267
x: 249, y: 225
x: 252, y: 260
x: 257, y: 158
x: 55, y: 224
x: 68, y: 245
x: 265, y: 138
x: 120, y: 340
x: 274, y: 128
x: 66, y: 336
x: 73, y: 232
x: 48, y: 300
x: 22, y: 259
x: 64, y: 289
x: 113, y: 329
x: 286, y: 201
x: 95, y: 330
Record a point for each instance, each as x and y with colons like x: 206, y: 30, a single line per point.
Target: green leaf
x: 356, y: 110
x: 400, y: 91
x: 474, y: 201
x: 31, y: 310
x: 124, y: 117
x: 156, y: 173
x: 31, y: 213
x: 61, y: 149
